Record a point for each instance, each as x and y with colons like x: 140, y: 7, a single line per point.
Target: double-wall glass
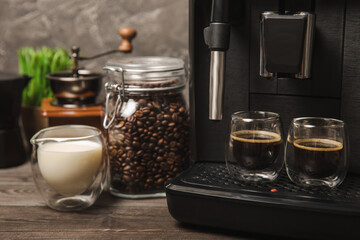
x: 317, y: 151
x: 254, y: 146
x: 69, y: 165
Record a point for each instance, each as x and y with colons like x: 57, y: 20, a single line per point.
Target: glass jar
x: 147, y: 122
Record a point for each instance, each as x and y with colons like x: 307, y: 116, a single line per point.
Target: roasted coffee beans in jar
x: 147, y: 122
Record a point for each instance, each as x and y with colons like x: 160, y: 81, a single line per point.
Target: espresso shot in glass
x: 254, y: 148
x: 316, y: 151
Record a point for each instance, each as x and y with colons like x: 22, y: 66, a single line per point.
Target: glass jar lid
x: 137, y: 65
x: 136, y: 75
x: 147, y: 73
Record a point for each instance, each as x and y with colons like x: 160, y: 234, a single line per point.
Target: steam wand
x: 217, y: 37
x: 127, y: 34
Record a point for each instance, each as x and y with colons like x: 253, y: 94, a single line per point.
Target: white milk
x: 69, y: 167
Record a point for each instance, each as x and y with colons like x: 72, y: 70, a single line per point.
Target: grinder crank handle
x: 127, y: 34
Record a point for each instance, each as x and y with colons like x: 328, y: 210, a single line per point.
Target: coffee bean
x: 159, y: 116
x: 173, y: 105
x: 140, y: 169
x: 146, y: 110
x: 139, y: 153
x: 156, y: 104
x: 130, y: 154
x: 161, y: 141
x: 113, y: 153
x: 159, y: 159
x: 174, y: 117
x: 134, y: 134
x: 121, y: 124
x: 142, y: 101
x: 170, y: 161
x: 136, y: 144
x: 151, y: 146
x: 139, y: 123
x: 127, y: 142
x: 126, y: 178
x: 160, y: 181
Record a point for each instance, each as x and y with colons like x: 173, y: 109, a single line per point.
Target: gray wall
x: 162, y: 27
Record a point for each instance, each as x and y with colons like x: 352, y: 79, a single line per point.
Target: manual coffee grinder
x: 76, y: 93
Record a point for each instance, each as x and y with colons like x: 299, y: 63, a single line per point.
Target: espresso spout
x: 217, y: 67
x: 217, y: 36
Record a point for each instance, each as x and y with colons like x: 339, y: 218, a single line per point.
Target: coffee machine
x: 296, y: 58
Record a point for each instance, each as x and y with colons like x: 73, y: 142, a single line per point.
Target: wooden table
x: 24, y: 215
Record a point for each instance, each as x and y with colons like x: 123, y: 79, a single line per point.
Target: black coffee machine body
x: 317, y: 75
x: 12, y: 150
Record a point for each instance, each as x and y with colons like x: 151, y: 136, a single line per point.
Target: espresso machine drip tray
x: 207, y: 195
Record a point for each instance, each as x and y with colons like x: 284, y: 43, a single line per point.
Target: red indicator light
x: 273, y: 190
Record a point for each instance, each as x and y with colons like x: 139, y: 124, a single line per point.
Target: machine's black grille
x: 216, y: 176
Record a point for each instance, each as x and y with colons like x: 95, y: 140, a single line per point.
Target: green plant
x: 37, y: 63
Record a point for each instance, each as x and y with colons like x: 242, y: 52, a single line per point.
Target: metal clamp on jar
x: 147, y: 124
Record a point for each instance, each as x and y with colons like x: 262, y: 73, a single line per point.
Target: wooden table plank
x: 24, y: 215
x: 93, y: 219
x: 117, y: 235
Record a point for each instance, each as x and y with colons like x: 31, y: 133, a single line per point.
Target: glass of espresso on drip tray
x: 254, y: 149
x: 316, y: 151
